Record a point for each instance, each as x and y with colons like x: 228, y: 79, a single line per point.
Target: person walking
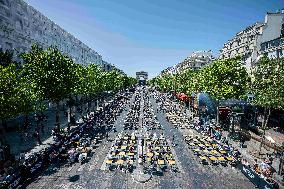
x: 173, y: 140
x: 42, y: 127
x: 106, y: 135
x: 242, y: 141
x: 37, y: 137
x: 68, y: 127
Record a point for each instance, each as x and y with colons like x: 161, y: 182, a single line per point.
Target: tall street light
x: 250, y: 97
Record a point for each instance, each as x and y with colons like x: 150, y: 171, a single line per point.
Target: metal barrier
x: 255, y: 178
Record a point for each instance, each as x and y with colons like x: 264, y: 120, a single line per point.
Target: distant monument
x: 142, y: 77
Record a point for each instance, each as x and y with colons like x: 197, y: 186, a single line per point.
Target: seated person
x: 85, y: 149
x: 9, y: 178
x: 82, y: 156
x: 257, y: 169
x: 131, y: 149
x: 3, y: 175
x: 140, y: 160
x: 129, y: 166
x: 72, y: 154
x: 267, y: 161
x: 236, y: 153
x: 245, y: 162
x: 53, y: 157
x: 219, y: 146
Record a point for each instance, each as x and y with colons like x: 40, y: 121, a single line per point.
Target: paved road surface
x: 193, y: 175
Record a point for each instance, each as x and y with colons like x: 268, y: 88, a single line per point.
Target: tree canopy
x: 221, y: 79
x: 50, y: 75
x: 268, y: 83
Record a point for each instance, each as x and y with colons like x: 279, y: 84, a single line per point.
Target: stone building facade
x: 141, y: 75
x: 244, y: 43
x: 21, y: 25
x: 271, y: 42
x: 195, y: 61
x: 168, y: 70
x: 257, y: 40
x: 109, y: 67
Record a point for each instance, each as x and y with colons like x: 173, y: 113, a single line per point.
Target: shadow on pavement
x: 74, y: 178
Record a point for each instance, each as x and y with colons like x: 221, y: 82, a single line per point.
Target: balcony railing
x: 272, y: 44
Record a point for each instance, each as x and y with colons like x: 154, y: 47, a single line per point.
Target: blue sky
x: 151, y: 35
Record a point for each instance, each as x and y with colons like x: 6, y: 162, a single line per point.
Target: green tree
x: 27, y: 101
x: 268, y: 86
x: 128, y: 81
x: 6, y: 58
x: 9, y: 90
x: 224, y: 79
x: 51, y: 74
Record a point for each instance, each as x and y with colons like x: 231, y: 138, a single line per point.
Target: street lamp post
x: 175, y: 86
x: 281, y: 161
x: 217, y: 117
x: 250, y: 97
x: 174, y: 75
x: 193, y: 96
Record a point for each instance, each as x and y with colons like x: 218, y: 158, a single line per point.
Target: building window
x: 279, y: 53
x: 239, y: 42
x: 9, y: 46
x: 4, y: 2
x: 282, y: 30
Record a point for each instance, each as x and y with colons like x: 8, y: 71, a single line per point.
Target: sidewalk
x: 251, y: 152
x: 252, y: 147
x: 19, y: 143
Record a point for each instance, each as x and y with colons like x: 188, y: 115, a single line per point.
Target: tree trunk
x: 4, y: 123
x: 57, y: 118
x: 89, y: 103
x: 2, y: 132
x: 26, y: 122
x: 86, y: 103
x: 264, y: 125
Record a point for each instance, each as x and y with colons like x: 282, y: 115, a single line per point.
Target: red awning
x: 224, y: 110
x: 182, y: 96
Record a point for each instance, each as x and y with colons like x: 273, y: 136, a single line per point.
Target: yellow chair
x: 213, y: 160
x: 161, y: 162
x: 171, y: 162
x: 108, y: 161
x: 229, y: 158
x: 120, y: 162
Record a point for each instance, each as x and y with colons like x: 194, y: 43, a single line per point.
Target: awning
x: 270, y: 139
x: 182, y: 96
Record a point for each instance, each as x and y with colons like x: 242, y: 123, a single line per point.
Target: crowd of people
x: 150, y: 120
x: 209, y: 150
x: 69, y: 146
x: 123, y: 153
x: 131, y: 121
x: 209, y: 145
x: 142, y: 142
x: 262, y: 170
x: 158, y: 154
